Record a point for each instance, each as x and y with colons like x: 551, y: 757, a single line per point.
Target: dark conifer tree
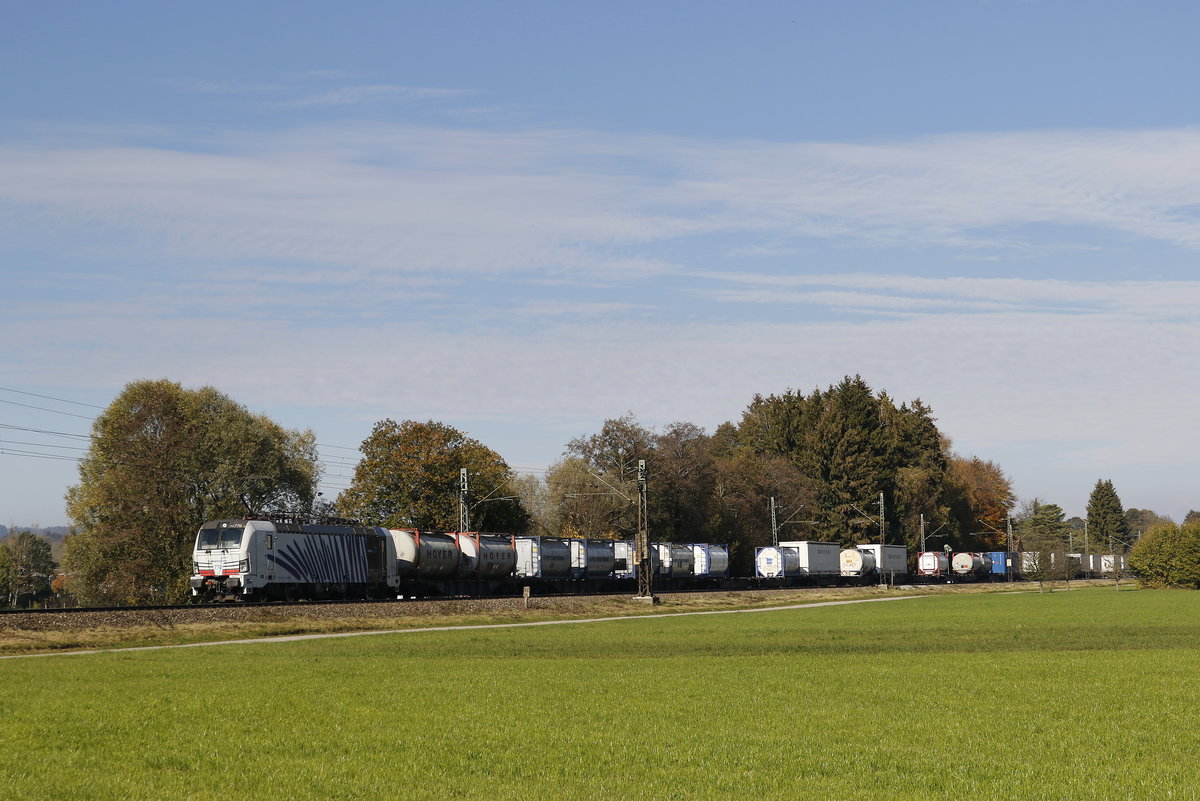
x: 1107, y: 526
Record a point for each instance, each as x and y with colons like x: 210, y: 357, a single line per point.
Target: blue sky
x: 524, y: 218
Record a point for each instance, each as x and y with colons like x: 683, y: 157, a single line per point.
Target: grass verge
x: 1031, y: 696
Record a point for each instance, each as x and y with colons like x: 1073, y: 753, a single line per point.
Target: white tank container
x: 966, y: 563
x: 776, y: 562
x: 933, y: 563
x: 857, y: 563
x: 817, y: 558
x: 425, y: 554
x: 486, y: 556
x: 543, y: 557
x: 592, y: 558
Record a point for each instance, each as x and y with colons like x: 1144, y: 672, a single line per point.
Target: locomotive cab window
x: 219, y: 538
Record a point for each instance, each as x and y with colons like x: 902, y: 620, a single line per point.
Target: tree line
x: 164, y: 458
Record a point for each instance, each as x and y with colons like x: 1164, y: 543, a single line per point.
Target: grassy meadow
x: 1081, y: 694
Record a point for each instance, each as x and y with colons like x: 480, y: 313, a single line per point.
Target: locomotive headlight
x: 195, y: 567
x: 244, y: 566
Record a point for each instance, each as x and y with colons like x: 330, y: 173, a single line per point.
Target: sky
x: 524, y: 218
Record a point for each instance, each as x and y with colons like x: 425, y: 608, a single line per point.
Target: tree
x: 1140, y: 521
x: 611, y: 458
x: 409, y: 477
x: 1042, y: 534
x: 5, y: 576
x: 1168, y: 556
x: 740, y: 507
x: 681, y: 476
x: 163, y: 460
x: 581, y: 505
x: 1105, y: 517
x: 854, y: 445
x: 534, y: 495
x: 979, y: 497
x: 30, y: 568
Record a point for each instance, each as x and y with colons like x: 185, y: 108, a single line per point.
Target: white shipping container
x: 888, y: 558
x: 817, y: 558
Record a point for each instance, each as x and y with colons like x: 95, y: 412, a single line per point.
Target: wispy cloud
x: 904, y: 293
x: 422, y: 198
x: 377, y: 93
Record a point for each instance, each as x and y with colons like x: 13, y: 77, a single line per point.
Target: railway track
x: 733, y: 586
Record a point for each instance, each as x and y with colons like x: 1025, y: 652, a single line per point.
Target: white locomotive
x: 276, y: 559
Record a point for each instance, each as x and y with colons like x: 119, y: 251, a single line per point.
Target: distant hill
x: 51, y: 533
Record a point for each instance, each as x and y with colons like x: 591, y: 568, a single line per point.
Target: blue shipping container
x: 999, y: 562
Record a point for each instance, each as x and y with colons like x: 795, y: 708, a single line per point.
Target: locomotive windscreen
x: 226, y: 535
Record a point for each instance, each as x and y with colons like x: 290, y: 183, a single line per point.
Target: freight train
x: 256, y: 558
x: 276, y: 559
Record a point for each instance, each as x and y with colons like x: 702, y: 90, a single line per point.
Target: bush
x: 1168, y: 556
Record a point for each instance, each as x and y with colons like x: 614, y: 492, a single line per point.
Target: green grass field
x: 1066, y: 695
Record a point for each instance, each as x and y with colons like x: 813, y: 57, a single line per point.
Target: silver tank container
x: 486, y: 556
x: 592, y: 558
x: 425, y: 554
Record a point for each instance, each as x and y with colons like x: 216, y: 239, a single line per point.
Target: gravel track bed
x: 451, y: 609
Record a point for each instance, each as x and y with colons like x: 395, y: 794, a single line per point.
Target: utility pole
x: 882, y: 527
x: 774, y: 525
x: 922, y: 532
x: 1013, y: 561
x: 645, y: 573
x: 464, y: 508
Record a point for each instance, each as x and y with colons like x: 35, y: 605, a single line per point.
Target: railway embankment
x: 58, y: 630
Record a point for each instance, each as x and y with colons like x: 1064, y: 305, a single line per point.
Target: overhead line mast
x: 641, y: 544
